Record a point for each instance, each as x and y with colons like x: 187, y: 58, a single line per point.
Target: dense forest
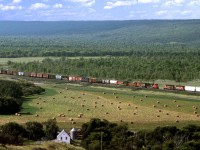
x: 98, y: 38
x: 178, y: 68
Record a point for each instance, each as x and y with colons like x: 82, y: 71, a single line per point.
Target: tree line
x: 14, y: 133
x: 11, y: 95
x: 172, y: 67
x: 103, y: 134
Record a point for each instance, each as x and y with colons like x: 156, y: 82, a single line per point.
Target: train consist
x: 100, y: 81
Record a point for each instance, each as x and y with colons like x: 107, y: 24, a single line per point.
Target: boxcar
x: 21, y: 73
x: 155, y: 86
x: 197, y: 89
x: 93, y: 80
x: 85, y: 79
x: 3, y: 71
x: 39, y: 75
x: 33, y: 74
x: 169, y: 87
x: 190, y: 88
x: 58, y: 77
x: 105, y: 81
x: 180, y: 87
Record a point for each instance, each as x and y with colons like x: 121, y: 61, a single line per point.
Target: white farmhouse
x: 63, y: 136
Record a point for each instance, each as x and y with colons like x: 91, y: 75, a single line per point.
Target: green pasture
x: 140, y: 109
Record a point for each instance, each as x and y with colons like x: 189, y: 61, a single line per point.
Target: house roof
x: 63, y: 131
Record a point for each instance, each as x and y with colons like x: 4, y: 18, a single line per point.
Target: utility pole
x: 101, y: 141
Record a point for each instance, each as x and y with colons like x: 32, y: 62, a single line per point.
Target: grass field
x: 140, y: 109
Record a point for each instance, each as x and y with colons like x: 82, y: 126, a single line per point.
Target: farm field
x: 72, y: 105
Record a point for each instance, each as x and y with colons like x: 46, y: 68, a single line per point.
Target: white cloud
x: 17, y: 1
x: 160, y: 13
x: 9, y: 7
x: 186, y: 12
x: 58, y: 6
x: 87, y: 3
x: 174, y: 3
x: 148, y: 1
x: 195, y: 2
x: 38, y: 6
x: 110, y: 5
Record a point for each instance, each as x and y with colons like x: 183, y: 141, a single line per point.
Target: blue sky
x: 54, y: 10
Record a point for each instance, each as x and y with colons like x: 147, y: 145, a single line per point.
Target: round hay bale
x: 104, y: 93
x: 73, y: 122
x: 53, y: 118
x: 133, y: 96
x: 40, y: 98
x: 16, y: 114
x: 158, y: 116
x: 65, y: 96
x: 114, y: 93
x: 154, y: 106
x: 116, y: 97
x: 69, y: 109
x: 79, y: 97
x: 71, y: 119
x: 167, y: 113
x: 102, y: 105
x: 54, y: 86
x: 54, y: 98
x: 106, y: 113
x: 159, y: 110
x: 196, y: 108
x: 97, y: 97
x: 118, y: 106
x: 174, y: 101
x: 88, y: 109
x: 38, y: 103
x: 111, y: 103
x: 177, y: 116
x: 95, y: 106
x: 83, y: 93
x: 165, y: 105
x: 44, y: 101
x: 129, y: 104
x: 36, y: 115
x: 177, y: 121
x: 120, y: 109
x: 195, y: 112
x: 63, y: 115
x: 82, y: 105
x: 66, y: 88
x: 134, y: 113
x: 178, y: 106
x: 95, y: 102
x: 158, y: 102
x: 121, y: 120
x: 60, y: 92
x: 120, y: 102
x: 131, y: 122
x: 59, y: 115
x: 146, y: 96
x: 197, y: 115
x: 136, y: 107
x: 141, y: 100
x: 40, y: 107
x: 79, y: 116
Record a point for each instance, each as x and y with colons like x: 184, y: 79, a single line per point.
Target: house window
x: 61, y: 138
x: 66, y: 138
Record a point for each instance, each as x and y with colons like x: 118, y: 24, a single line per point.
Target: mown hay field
x: 73, y: 105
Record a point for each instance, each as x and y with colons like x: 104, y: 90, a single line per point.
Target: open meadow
x: 74, y: 104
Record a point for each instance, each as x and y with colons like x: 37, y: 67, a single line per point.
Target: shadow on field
x: 26, y: 108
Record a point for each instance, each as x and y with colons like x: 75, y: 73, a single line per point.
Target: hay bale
x: 195, y: 112
x: 120, y: 102
x: 44, y: 101
x: 118, y: 106
x: 121, y: 120
x: 36, y: 115
x: 69, y: 109
x: 79, y: 97
x: 102, y: 105
x: 71, y: 119
x: 136, y: 107
x: 159, y: 110
x: 95, y: 106
x: 178, y: 106
x: 88, y: 109
x: 40, y: 107
x: 66, y: 88
x: 65, y: 96
x: 177, y: 116
x: 196, y: 108
x: 95, y: 102
x: 82, y: 105
x: 129, y: 104
x: 146, y: 96
x: 40, y: 98
x: 154, y: 106
x: 63, y: 115
x: 104, y: 93
x: 177, y: 121
x: 60, y: 92
x: 134, y: 113
x: 174, y: 101
x: 83, y: 93
x: 116, y: 97
x: 111, y: 103
x: 158, y: 102
x: 141, y: 100
x: 120, y: 109
x: 54, y: 86
x: 73, y: 122
x: 167, y: 113
x: 79, y: 116
x: 165, y: 105
x: 53, y: 118
x: 54, y: 98
x: 38, y: 103
x: 18, y: 114
x: 197, y: 115
x: 114, y: 93
x: 106, y: 113
x: 59, y: 115
x: 158, y: 116
x: 133, y: 96
x: 97, y: 97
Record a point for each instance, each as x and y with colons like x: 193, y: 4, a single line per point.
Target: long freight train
x: 100, y: 81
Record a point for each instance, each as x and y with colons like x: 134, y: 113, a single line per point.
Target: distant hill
x: 141, y: 31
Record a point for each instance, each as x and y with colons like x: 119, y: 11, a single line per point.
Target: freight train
x: 93, y: 80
